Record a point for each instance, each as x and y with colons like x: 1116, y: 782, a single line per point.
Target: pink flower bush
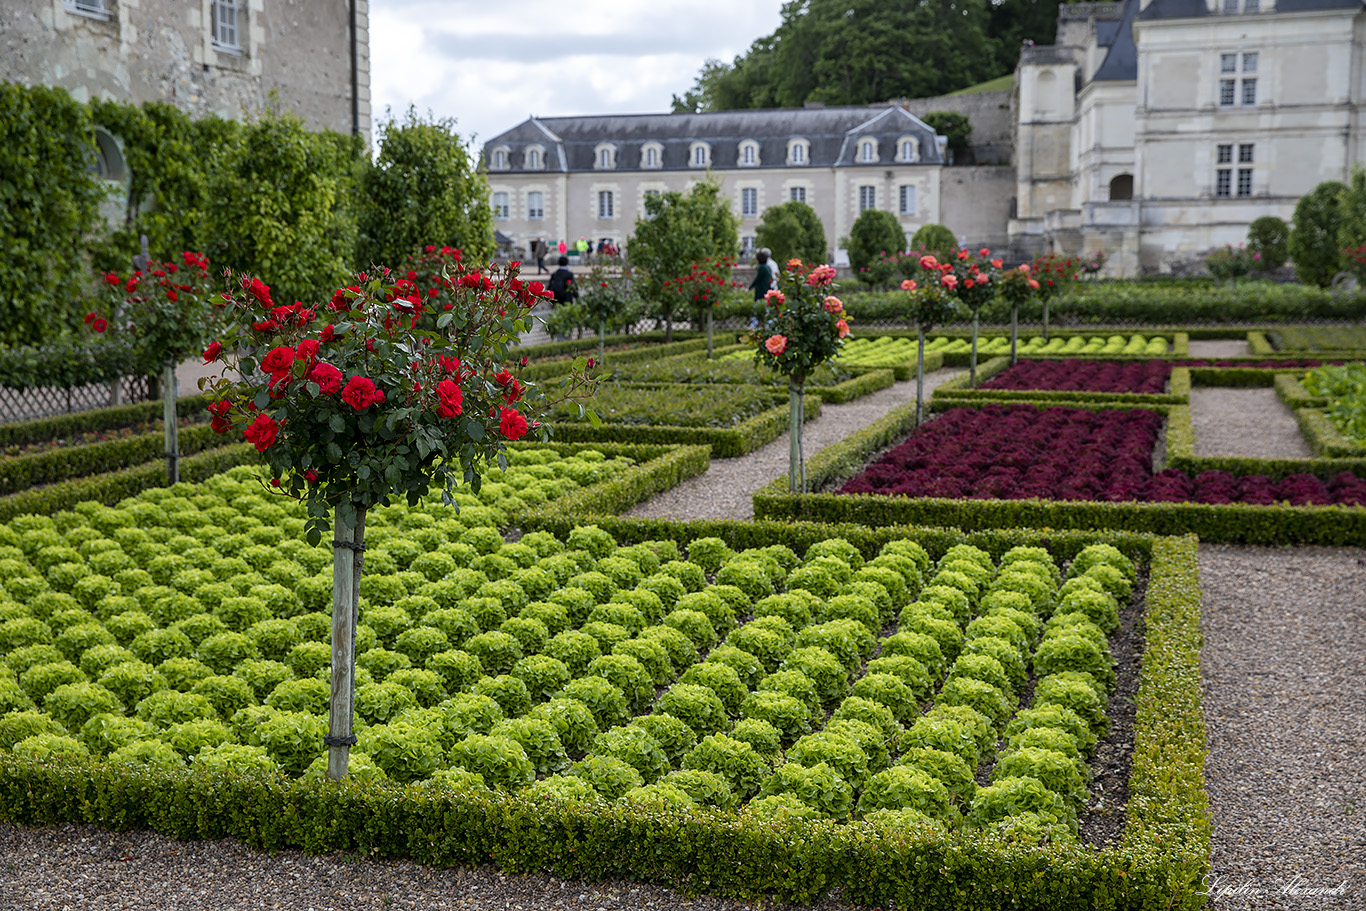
x: 776, y: 344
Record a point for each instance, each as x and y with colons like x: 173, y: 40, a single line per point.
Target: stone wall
x: 993, y: 123
x: 975, y: 203
x: 164, y: 50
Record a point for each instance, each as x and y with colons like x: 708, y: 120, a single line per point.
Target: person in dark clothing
x: 538, y: 251
x: 763, y: 277
x: 562, y: 283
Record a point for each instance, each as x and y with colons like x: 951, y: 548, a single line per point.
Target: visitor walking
x: 538, y: 252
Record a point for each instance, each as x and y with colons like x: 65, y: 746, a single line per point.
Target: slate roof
x: 1121, y: 63
x: 571, y: 143
x: 1195, y: 9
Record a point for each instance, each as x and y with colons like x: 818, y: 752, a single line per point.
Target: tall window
x: 867, y: 198
x: 533, y: 160
x: 907, y: 199
x: 867, y: 151
x: 699, y: 156
x: 652, y: 157
x: 500, y: 159
x: 749, y: 202
x: 799, y: 154
x: 1244, y: 187
x: 1238, y: 79
x: 1223, y: 171
x: 748, y: 156
x: 500, y: 205
x: 535, y: 205
x: 604, y: 158
x: 797, y: 194
x: 909, y: 152
x: 606, y: 209
x: 225, y: 25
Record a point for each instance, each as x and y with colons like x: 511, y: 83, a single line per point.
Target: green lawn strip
x: 1218, y: 523
x: 1159, y: 863
x: 42, y: 430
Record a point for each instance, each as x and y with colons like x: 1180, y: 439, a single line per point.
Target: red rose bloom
x: 512, y: 424
x: 310, y: 476
x: 262, y: 432
x: 452, y: 399
x: 328, y: 378
x: 219, y: 422
x: 111, y: 278
x: 360, y: 393
x: 328, y: 334
x: 212, y: 352
x: 513, y: 392
x: 307, y: 350
x: 99, y: 325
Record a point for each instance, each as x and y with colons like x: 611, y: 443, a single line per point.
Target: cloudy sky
x: 490, y: 65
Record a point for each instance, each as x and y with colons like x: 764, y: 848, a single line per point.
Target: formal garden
x: 372, y: 589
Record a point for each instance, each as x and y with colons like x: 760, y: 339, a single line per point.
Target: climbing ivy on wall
x: 49, y: 204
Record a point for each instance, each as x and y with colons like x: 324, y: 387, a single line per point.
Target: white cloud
x: 490, y: 65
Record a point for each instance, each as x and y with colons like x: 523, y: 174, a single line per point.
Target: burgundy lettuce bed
x: 1012, y: 452
x: 1145, y: 377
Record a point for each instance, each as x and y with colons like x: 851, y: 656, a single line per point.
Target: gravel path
x: 1285, y: 632
x: 724, y: 491
x: 1245, y: 422
x: 82, y: 868
x: 1219, y: 347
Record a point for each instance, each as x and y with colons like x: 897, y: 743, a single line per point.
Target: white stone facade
x: 1160, y: 130
x: 563, y: 178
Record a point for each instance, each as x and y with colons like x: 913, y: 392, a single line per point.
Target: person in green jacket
x: 583, y: 247
x: 763, y: 282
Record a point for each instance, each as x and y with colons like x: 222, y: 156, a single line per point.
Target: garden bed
x: 730, y: 418
x: 834, y: 383
x: 1062, y: 382
x: 682, y: 830
x: 1126, y: 473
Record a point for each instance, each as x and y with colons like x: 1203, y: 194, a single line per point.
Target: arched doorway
x: 1122, y: 187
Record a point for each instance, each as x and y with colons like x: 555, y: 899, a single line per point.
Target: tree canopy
x: 865, y: 51
x: 790, y: 230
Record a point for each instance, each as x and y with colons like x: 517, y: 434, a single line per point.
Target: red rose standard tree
x: 972, y: 280
x: 1017, y: 286
x: 168, y: 312
x: 931, y: 305
x: 804, y: 326
x: 351, y: 403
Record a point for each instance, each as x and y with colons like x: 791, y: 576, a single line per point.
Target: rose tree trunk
x: 348, y: 548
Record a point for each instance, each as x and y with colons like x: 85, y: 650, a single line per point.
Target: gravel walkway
x: 1245, y: 422
x: 724, y: 491
x: 1285, y: 632
x: 1219, y: 347
x: 82, y: 868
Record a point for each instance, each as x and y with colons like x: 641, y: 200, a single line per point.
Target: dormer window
x: 651, y: 155
x: 908, y: 150
x: 798, y: 152
x: 606, y: 157
x: 867, y: 151
x: 535, y: 158
x: 700, y: 155
x: 500, y: 159
x: 749, y: 154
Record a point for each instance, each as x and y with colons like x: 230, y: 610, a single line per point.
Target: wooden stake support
x: 348, y: 548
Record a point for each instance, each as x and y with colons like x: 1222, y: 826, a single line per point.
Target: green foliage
x: 1014, y: 796
x: 676, y: 231
x: 1313, y: 244
x: 1352, y: 229
x: 735, y: 760
x: 634, y: 746
x: 875, y: 233
x: 49, y: 202
x: 573, y: 722
x: 501, y: 761
x: 841, y: 753
x: 817, y: 786
x: 958, y: 129
x: 424, y: 188
x: 280, y: 205
x: 1267, y: 239
x: 792, y: 230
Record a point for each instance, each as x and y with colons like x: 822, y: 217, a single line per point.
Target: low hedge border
x: 111, y: 487
x: 22, y: 472
x: 724, y: 443
x: 41, y: 430
x: 647, y: 349
x: 1181, y: 455
x: 1160, y: 862
x: 873, y: 380
x: 1179, y: 338
x: 959, y: 392
x: 1259, y: 343
x: 589, y: 344
x: 1291, y: 391
x: 1325, y: 438
x: 1216, y: 523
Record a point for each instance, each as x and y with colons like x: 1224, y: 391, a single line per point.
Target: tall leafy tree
x: 793, y: 230
x: 1314, y: 236
x: 424, y: 188
x: 864, y: 51
x: 678, y: 230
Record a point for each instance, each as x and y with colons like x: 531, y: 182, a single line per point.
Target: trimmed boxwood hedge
x: 1181, y: 453
x: 560, y: 355
x: 1231, y: 523
x: 41, y: 430
x: 1160, y: 862
x: 960, y: 392
x: 725, y: 443
x: 22, y: 472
